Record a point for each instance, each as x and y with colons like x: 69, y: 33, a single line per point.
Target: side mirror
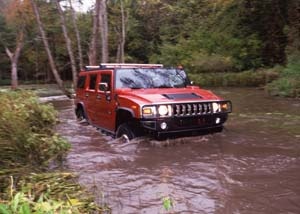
x: 103, y: 86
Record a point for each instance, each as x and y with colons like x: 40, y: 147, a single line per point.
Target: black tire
x: 217, y: 130
x: 80, y: 114
x: 126, y: 131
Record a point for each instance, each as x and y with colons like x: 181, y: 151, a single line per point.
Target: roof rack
x: 121, y: 65
x: 91, y: 67
x: 129, y: 65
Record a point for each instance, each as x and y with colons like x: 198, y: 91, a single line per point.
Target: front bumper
x: 184, y: 124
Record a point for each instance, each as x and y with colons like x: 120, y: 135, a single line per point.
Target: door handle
x: 86, y: 95
x: 98, y: 97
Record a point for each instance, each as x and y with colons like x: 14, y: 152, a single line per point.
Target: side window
x: 107, y: 79
x: 81, y: 81
x: 93, y: 79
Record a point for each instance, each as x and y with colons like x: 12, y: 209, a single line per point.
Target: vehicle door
x: 90, y: 97
x: 105, y: 103
x: 81, y: 88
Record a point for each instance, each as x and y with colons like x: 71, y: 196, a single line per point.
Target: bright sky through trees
x: 85, y: 6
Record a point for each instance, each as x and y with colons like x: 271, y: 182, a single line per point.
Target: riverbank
x: 233, y: 79
x: 28, y: 147
x: 41, y: 90
x: 277, y: 81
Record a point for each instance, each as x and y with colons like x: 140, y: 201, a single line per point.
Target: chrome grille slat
x: 191, y: 109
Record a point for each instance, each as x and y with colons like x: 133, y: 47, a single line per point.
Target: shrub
x: 288, y: 85
x: 27, y: 145
x: 210, y: 63
x: 241, y: 79
x: 26, y: 135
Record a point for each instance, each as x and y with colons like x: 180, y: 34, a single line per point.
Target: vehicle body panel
x: 188, y: 107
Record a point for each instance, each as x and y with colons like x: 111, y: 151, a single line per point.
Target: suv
x: 131, y: 100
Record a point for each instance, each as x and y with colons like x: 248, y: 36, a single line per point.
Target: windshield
x: 137, y: 78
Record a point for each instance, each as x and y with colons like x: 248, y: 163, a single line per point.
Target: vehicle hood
x: 169, y: 95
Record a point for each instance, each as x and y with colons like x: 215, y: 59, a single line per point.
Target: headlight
x: 162, y: 110
x: 221, y: 107
x: 216, y: 107
x: 157, y: 111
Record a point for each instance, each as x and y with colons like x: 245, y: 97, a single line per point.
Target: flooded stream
x: 253, y: 166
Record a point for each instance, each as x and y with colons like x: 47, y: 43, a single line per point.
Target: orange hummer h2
x: 131, y: 100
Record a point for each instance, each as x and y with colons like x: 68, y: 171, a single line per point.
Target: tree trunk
x: 293, y: 46
x: 68, y: 42
x: 14, y: 58
x: 48, y: 51
x: 122, y: 45
x: 74, y: 20
x: 93, y: 44
x: 103, y: 23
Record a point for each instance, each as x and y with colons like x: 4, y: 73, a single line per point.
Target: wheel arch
x: 80, y: 105
x: 124, y: 115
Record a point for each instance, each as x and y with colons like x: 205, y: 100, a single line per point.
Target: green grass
x: 42, y: 90
x: 288, y: 85
x: 241, y: 79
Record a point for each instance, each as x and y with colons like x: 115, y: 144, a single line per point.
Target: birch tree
x: 68, y: 42
x: 74, y: 22
x: 121, y: 46
x: 15, y: 18
x: 14, y: 58
x: 103, y: 24
x: 48, y: 51
x: 92, y: 54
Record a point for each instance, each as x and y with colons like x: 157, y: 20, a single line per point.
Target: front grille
x: 192, y: 109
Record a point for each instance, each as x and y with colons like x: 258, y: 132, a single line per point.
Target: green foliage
x: 26, y: 135
x: 167, y: 203
x: 49, y: 193
x: 288, y: 85
x: 249, y: 78
x: 27, y: 145
x: 203, y: 36
x: 217, y: 43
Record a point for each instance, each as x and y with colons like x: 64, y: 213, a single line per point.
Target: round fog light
x: 218, y: 120
x: 163, y: 125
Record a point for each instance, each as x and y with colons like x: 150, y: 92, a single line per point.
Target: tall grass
x: 288, y: 85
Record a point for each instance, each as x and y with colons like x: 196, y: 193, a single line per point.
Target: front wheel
x: 126, y: 131
x: 80, y: 114
x: 217, y: 129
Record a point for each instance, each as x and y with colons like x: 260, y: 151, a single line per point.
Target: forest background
x: 219, y: 42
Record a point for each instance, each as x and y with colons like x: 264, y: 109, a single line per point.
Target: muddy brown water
x: 253, y: 166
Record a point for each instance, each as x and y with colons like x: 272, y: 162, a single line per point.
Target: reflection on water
x: 253, y: 166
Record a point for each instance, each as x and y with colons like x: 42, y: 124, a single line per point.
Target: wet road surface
x: 253, y: 166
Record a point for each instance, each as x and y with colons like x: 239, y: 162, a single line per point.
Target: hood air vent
x: 181, y: 96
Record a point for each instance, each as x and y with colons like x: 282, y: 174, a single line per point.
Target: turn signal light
x: 224, y: 106
x: 147, y: 111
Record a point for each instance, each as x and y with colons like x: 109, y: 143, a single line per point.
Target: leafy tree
x: 14, y: 15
